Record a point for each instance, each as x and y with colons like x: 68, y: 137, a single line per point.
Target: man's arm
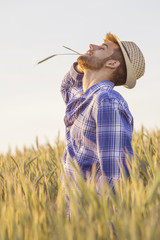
x: 114, y: 136
x: 71, y: 86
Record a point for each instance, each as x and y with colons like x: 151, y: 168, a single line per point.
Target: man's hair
x: 119, y: 76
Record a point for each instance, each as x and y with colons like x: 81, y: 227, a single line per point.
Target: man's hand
x: 78, y: 69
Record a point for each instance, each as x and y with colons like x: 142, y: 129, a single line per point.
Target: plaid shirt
x: 99, y: 128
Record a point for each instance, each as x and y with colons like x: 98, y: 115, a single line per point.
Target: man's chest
x: 83, y: 129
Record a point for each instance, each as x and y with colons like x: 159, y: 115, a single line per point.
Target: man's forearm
x: 72, y: 83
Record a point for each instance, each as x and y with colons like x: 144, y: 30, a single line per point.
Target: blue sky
x: 30, y: 100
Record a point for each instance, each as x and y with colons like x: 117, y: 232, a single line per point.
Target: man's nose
x: 93, y: 47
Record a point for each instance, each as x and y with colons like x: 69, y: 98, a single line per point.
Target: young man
x: 98, y: 122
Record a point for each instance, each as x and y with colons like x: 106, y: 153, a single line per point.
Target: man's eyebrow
x: 105, y: 44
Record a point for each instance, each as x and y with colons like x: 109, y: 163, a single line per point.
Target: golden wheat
x: 33, y: 205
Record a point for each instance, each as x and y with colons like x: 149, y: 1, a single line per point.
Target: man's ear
x: 112, y: 64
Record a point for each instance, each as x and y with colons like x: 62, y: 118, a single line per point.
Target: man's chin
x: 82, y: 61
x: 88, y: 62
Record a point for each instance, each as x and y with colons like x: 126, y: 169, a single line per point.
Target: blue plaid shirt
x: 99, y: 128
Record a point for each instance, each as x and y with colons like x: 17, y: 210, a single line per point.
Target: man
x: 98, y: 122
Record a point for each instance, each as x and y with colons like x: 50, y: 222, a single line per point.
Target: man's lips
x: 89, y: 53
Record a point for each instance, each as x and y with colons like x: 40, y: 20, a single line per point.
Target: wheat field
x: 33, y: 205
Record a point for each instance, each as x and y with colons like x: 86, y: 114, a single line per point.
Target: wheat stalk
x: 61, y: 54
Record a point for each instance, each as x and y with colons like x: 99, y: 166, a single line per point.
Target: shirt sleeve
x: 71, y: 86
x: 114, y: 136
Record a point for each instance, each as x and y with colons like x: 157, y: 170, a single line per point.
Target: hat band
x: 126, y: 51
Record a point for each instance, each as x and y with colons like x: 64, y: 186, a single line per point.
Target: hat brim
x: 131, y: 78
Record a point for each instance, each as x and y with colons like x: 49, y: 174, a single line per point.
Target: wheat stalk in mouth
x: 58, y: 54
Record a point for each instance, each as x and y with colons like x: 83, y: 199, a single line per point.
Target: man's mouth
x: 89, y: 53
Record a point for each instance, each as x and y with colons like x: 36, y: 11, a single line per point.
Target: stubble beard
x: 90, y: 62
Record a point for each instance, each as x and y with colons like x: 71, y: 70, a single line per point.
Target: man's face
x: 96, y: 56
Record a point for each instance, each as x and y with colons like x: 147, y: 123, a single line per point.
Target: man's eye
x: 103, y: 47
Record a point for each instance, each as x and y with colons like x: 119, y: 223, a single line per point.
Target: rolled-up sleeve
x: 71, y: 85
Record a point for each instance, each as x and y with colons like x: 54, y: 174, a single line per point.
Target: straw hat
x: 135, y: 63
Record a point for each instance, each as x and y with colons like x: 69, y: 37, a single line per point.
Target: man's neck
x: 90, y: 78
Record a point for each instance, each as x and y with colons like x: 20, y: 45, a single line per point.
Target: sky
x: 30, y: 101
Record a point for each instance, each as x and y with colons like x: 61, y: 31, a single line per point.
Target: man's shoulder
x: 114, y: 100
x: 109, y: 95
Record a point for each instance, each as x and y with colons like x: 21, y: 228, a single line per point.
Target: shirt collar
x: 99, y: 85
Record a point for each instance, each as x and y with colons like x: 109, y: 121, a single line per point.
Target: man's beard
x: 91, y: 62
